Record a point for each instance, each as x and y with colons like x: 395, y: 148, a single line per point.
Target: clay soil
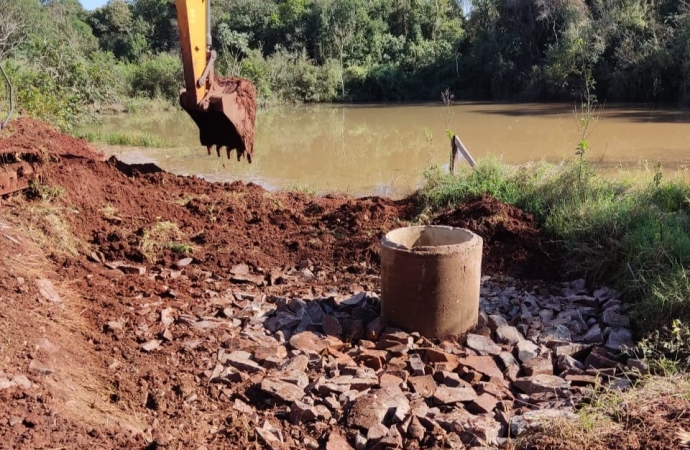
x: 513, y: 244
x: 98, y: 388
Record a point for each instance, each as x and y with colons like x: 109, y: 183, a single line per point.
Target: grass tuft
x: 630, y: 234
x: 124, y: 139
x: 163, y: 236
x: 307, y: 189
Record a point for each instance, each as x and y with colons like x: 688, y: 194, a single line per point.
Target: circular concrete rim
x: 460, y: 239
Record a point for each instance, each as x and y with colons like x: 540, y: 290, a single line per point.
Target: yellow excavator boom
x: 193, y: 22
x: 224, y: 109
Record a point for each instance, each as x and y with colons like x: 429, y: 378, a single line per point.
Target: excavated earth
x: 140, y: 309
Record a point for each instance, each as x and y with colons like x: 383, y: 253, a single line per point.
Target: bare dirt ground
x: 92, y: 255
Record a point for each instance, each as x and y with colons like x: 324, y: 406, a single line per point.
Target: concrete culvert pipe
x: 430, y: 279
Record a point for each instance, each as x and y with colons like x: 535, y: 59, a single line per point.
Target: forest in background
x: 66, y: 62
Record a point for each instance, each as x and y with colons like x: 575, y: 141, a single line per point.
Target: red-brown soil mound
x: 513, y: 244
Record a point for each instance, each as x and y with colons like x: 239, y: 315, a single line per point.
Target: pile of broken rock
x: 332, y: 363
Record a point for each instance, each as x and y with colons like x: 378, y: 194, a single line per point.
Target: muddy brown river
x: 384, y: 149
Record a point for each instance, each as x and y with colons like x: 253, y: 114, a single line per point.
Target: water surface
x: 384, y: 149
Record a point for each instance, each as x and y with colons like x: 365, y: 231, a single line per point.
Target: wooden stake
x: 457, y: 147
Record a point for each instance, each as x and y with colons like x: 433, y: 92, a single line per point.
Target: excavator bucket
x: 227, y: 116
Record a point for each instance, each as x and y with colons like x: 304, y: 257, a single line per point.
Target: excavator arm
x: 224, y: 109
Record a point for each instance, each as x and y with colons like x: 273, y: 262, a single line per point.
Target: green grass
x: 632, y: 234
x: 303, y: 188
x: 124, y: 139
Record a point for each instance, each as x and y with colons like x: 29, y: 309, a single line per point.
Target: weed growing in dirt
x: 305, y: 188
x: 44, y: 192
x: 109, y: 210
x: 124, y: 139
x: 615, y: 419
x: 181, y: 248
x: 162, y: 236
x: 631, y: 234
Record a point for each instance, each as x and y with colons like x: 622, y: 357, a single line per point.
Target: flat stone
x: 308, y: 342
x: 377, y: 432
x: 439, y: 356
x: 151, y: 345
x: 593, y: 335
x: 301, y: 412
x: 546, y: 315
x: 356, y: 383
x: 242, y: 360
x: 6, y: 383
x: 471, y: 429
x: 613, y: 318
x: 483, y: 344
x: 566, y: 362
x: 507, y: 359
x: 541, y: 383
x: 47, y: 346
x: 132, y: 269
x: 22, y: 381
x: 298, y: 364
x: 526, y: 350
x: 40, y: 368
x: 539, y: 365
x: 582, y: 380
x: 556, y: 333
x: 496, y: 321
x: 389, y: 380
x: 184, y: 262
x: 360, y: 442
x: 482, y: 364
x: 638, y: 364
x: 417, y: 365
x: 450, y: 379
x: 506, y: 334
x: 599, y: 358
x: 355, y: 300
x: 271, y: 352
x: 269, y: 438
x: 371, y: 409
x: 416, y: 430
x: 423, y: 385
x: 114, y: 325
x: 374, y: 359
x: 392, y: 441
x: 331, y: 326
x: 483, y: 404
x: 167, y: 316
x: 445, y: 395
x: 315, y: 313
x: 48, y: 291
x: 287, y: 392
x: 537, y: 419
x: 572, y: 349
x: 374, y: 329
x: 620, y: 339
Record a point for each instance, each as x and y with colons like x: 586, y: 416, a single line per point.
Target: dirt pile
x: 31, y: 136
x: 513, y: 244
x: 25, y: 147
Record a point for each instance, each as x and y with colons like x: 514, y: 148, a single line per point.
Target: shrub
x: 157, y: 76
